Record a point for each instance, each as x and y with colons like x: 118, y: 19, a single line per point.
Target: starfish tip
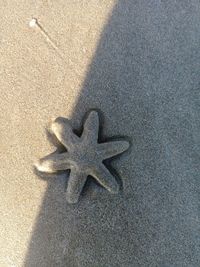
x: 39, y: 167
x: 43, y: 166
x: 55, y: 124
x: 93, y: 114
x: 114, y: 189
x: 126, y: 145
x: 72, y: 200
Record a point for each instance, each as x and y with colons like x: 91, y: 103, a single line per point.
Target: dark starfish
x: 84, y: 156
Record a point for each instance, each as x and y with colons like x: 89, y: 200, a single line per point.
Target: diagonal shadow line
x: 131, y: 80
x: 111, y: 82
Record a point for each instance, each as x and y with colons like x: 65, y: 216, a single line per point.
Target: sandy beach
x: 138, y: 63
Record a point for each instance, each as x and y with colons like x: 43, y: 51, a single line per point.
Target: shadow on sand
x: 142, y: 76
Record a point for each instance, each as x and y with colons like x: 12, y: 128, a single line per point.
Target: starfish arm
x: 105, y: 178
x: 53, y: 162
x: 63, y: 131
x: 75, y: 185
x: 91, y: 127
x: 110, y: 149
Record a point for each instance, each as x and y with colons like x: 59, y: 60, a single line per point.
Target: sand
x: 138, y: 63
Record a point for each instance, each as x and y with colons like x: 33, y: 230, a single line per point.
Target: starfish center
x: 84, y: 156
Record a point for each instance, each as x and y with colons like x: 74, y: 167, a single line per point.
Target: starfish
x: 83, y: 156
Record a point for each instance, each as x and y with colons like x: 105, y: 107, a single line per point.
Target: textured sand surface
x: 38, y: 83
x: 139, y: 63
